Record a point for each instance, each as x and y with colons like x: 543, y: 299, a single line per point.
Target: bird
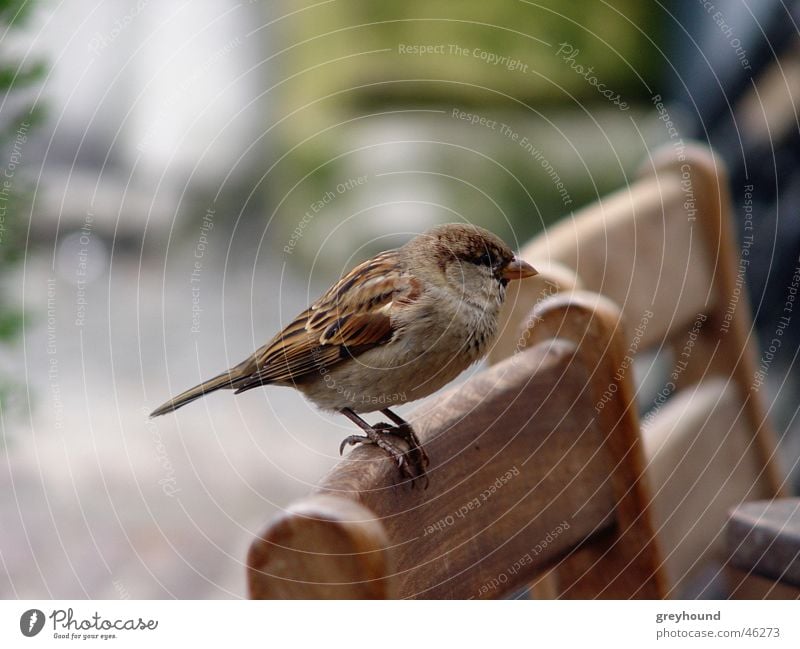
x: 396, y: 328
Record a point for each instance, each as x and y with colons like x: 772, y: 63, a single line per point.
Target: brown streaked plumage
x: 396, y: 328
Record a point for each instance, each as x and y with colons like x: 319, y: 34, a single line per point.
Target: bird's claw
x: 407, y: 433
x: 352, y: 440
x: 411, y: 463
x: 411, y: 470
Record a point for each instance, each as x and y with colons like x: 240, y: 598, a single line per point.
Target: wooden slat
x: 636, y: 247
x: 518, y: 477
x: 764, y: 538
x: 628, y: 562
x: 323, y: 547
x: 702, y: 461
x: 729, y: 309
x: 664, y: 248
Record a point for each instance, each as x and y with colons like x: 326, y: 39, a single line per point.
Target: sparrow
x: 396, y: 328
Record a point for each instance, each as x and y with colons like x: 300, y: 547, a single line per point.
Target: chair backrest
x: 522, y: 473
x: 663, y: 250
x: 540, y: 462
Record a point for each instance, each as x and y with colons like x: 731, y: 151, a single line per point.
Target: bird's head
x: 468, y: 259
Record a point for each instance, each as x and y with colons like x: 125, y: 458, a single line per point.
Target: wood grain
x: 628, y: 562
x: 518, y: 478
x: 323, y: 547
x: 729, y: 304
x: 664, y: 248
x: 551, y: 433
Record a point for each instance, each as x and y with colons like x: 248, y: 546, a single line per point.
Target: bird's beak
x: 518, y: 269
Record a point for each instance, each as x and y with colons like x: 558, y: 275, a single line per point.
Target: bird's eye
x: 486, y: 259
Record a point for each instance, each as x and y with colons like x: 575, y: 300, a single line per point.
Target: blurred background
x: 180, y: 179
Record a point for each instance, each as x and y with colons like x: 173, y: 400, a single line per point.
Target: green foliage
x: 10, y: 324
x: 359, y: 72
x: 16, y: 83
x: 331, y: 41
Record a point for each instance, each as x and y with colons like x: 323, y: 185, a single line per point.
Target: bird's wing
x: 353, y: 316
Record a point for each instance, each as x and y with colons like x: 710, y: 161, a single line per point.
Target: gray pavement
x: 98, y: 500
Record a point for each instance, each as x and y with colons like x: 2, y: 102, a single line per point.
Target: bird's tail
x: 224, y: 380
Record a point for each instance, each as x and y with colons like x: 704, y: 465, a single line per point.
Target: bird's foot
x: 406, y: 432
x: 415, y: 459
x: 411, y: 463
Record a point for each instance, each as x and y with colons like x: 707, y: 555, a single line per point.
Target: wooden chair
x: 663, y: 250
x: 593, y: 504
x: 522, y: 472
